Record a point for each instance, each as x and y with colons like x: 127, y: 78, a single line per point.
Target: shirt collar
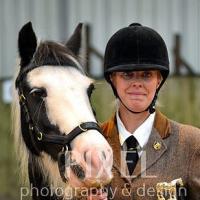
x: 141, y: 134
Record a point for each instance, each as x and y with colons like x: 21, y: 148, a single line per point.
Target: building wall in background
x: 53, y: 19
x: 47, y: 16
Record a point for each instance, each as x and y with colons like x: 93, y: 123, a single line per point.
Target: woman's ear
x: 160, y: 78
x: 112, y: 77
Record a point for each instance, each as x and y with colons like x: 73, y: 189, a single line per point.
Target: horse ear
x: 27, y: 43
x: 74, y: 43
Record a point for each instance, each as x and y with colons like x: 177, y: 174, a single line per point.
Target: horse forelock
x: 56, y: 54
x: 53, y: 54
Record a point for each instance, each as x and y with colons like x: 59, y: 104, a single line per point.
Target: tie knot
x: 131, y: 143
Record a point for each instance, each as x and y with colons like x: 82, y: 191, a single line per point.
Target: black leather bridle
x: 63, y: 140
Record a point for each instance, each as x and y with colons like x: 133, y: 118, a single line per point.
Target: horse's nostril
x: 78, y: 171
x: 104, y: 155
x: 85, y: 156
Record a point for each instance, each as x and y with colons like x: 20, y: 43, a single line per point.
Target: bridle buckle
x: 83, y: 129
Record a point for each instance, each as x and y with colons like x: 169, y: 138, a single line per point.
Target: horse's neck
x: 38, y: 185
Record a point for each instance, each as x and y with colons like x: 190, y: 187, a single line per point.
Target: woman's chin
x: 138, y: 107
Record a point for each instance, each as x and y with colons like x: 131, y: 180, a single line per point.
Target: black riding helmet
x: 136, y: 48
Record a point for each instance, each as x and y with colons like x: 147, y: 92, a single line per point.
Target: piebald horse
x: 56, y: 132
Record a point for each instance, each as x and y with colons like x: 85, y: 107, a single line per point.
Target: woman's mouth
x: 137, y: 96
x: 136, y: 93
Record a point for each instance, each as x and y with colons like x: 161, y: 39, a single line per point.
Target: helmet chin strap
x: 150, y: 108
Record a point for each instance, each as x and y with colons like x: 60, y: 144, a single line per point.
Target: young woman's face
x: 136, y: 89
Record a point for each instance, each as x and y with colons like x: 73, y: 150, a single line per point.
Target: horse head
x: 63, y: 142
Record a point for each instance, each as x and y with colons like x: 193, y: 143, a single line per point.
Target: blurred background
x: 176, y: 20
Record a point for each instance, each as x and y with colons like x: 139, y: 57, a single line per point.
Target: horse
x: 60, y: 143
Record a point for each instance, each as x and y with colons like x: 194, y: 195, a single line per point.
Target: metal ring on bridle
x: 84, y: 130
x: 30, y: 127
x: 39, y: 137
x: 65, y: 149
x: 22, y: 98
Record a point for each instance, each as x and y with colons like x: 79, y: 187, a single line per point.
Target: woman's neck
x: 130, y: 120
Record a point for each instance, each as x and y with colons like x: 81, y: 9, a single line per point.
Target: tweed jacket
x: 172, y: 152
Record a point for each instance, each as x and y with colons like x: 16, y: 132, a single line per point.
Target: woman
x: 164, y: 158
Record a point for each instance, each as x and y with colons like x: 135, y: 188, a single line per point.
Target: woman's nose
x: 137, y: 83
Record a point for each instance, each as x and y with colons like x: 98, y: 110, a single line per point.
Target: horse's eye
x: 38, y: 92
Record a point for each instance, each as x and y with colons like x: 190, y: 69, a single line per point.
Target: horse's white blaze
x: 67, y: 102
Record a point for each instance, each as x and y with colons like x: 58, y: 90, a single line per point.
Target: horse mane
x: 57, y: 54
x: 51, y: 53
x: 21, y: 150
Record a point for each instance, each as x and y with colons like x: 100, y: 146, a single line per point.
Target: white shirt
x: 141, y: 134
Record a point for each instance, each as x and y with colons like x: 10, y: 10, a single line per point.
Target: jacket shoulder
x: 190, y: 131
x: 187, y: 133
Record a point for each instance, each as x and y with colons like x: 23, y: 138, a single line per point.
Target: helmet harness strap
x: 150, y: 108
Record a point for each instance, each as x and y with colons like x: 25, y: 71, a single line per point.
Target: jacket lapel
x: 154, y: 149
x: 113, y: 140
x: 156, y: 146
x: 111, y: 133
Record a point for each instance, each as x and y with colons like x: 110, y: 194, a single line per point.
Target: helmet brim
x: 136, y: 67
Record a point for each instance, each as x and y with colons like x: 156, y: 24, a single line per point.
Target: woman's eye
x: 38, y: 92
x: 147, y: 74
x: 128, y: 75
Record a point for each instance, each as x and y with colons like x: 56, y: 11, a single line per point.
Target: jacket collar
x: 161, y: 124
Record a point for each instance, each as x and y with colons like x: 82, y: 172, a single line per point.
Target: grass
x: 9, y: 185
